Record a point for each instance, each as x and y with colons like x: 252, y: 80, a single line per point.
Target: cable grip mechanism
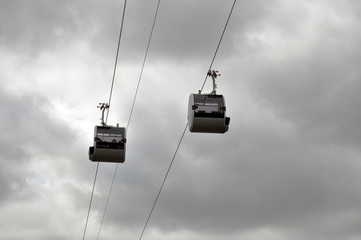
x: 214, y: 74
x: 102, y: 107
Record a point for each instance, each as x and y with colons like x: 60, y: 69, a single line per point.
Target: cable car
x: 207, y: 112
x: 109, y: 143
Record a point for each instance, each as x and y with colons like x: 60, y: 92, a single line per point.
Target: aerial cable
x: 165, y: 178
x: 132, y: 108
x: 116, y: 59
x: 91, y: 200
x: 110, y: 98
x: 107, y: 202
x: 144, y: 60
x: 181, y: 139
x: 219, y: 43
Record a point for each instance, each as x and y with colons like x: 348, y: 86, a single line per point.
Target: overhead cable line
x: 116, y: 59
x: 133, y: 104
x: 144, y: 60
x: 110, y: 98
x: 115, y: 67
x: 91, y: 200
x: 182, y: 136
x: 161, y: 187
x: 107, y: 202
x: 219, y: 43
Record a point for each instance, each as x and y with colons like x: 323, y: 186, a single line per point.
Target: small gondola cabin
x: 207, y: 113
x: 109, y: 144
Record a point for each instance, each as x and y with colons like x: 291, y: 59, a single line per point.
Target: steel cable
x: 91, y: 200
x: 181, y: 139
x: 110, y: 97
x: 219, y: 43
x: 132, y: 108
x: 116, y: 59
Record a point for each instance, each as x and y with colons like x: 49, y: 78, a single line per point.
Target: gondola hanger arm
x: 102, y: 107
x: 214, y: 74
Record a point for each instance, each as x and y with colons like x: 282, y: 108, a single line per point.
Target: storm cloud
x: 288, y: 168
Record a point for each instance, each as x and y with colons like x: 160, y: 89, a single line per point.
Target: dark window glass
x: 109, y: 137
x: 208, y: 106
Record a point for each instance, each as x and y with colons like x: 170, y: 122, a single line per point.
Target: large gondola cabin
x: 109, y: 144
x: 109, y: 141
x: 207, y: 112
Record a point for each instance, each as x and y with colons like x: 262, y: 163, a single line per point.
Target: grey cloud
x: 276, y: 187
x: 289, y: 163
x: 27, y: 133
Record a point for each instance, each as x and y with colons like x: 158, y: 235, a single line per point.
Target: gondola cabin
x: 207, y: 113
x: 109, y: 144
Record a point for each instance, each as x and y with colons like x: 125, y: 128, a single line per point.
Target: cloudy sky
x: 288, y: 168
